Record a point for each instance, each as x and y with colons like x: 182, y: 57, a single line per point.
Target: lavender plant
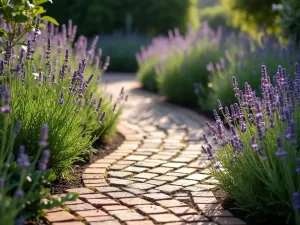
x: 257, y: 160
x: 180, y: 59
x: 47, y: 86
x: 242, y: 62
x: 23, y: 180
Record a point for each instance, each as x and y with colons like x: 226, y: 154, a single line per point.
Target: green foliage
x: 242, y: 63
x: 147, y: 76
x: 261, y: 173
x: 207, y: 3
x: 249, y: 14
x: 122, y: 50
x: 289, y: 19
x: 15, y: 13
x: 107, y: 16
x: 180, y: 72
x: 67, y: 99
x: 217, y: 16
x: 23, y: 192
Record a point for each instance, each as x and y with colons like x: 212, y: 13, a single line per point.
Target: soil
x: 35, y: 222
x: 230, y: 205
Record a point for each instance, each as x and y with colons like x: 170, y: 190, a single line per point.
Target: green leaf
x: 42, y: 25
x: 39, y: 10
x: 50, y: 19
x: 40, y: 2
x: 20, y: 18
x: 3, y: 33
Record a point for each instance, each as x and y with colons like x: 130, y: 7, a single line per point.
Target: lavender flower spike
x: 44, y: 160
x: 44, y: 136
x: 19, y: 193
x: 22, y: 159
x: 61, y: 100
x: 296, y: 200
x: 102, y: 118
x: 298, y: 166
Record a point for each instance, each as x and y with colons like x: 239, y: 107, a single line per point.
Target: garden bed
x: 58, y: 187
x: 104, y: 149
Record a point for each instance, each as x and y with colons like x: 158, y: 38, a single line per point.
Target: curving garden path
x: 157, y: 176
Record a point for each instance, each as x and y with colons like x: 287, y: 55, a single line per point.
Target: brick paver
x: 158, y: 175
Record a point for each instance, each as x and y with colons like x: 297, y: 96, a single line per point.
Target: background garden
x: 232, y: 60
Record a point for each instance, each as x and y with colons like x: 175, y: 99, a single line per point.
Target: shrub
x: 257, y: 161
x: 289, y: 20
x: 217, y: 16
x: 179, y: 62
x: 22, y: 183
x: 247, y: 16
x: 180, y: 72
x: 107, y: 16
x: 241, y: 63
x: 59, y: 93
x: 121, y: 49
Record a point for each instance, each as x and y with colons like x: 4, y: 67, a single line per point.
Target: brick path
x: 157, y: 176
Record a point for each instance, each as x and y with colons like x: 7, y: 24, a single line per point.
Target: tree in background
x: 249, y: 14
x: 289, y: 20
x: 106, y: 16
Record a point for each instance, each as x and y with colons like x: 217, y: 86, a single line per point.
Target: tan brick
x: 59, y: 216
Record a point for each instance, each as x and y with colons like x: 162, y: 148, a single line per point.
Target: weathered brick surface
x: 158, y: 175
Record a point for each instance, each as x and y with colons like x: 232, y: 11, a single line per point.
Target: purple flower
x: 44, y: 136
x: 114, y: 107
x: 22, y: 159
x: 17, y: 127
x: 106, y: 63
x: 235, y: 86
x: 20, y: 60
x: 243, y: 126
x: 36, y: 30
x: 20, y: 220
x: 227, y: 115
x: 217, y: 117
x: 61, y: 99
x: 98, y: 106
x: 218, y: 165
x: 220, y: 129
x: 205, y: 139
x: 220, y: 105
x: 8, y: 53
x: 254, y: 144
x: 6, y: 95
x: 102, y: 118
x: 19, y: 193
x: 48, y: 52
x: 5, y: 109
x: 280, y: 152
x: 296, y: 200
x: 44, y: 160
x: 90, y: 79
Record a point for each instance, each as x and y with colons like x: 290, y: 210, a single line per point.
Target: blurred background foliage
x: 125, y: 25
x: 149, y: 17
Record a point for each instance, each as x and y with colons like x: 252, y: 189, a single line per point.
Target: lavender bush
x: 242, y: 63
x: 257, y: 160
x: 51, y: 82
x: 182, y: 60
x: 23, y: 194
